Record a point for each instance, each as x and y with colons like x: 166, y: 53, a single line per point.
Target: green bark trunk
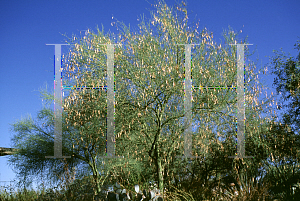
x: 160, y: 178
x: 160, y: 174
x: 96, y: 177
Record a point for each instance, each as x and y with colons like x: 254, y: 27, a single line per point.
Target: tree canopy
x: 149, y: 76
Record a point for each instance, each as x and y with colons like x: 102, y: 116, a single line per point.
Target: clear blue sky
x: 26, y: 63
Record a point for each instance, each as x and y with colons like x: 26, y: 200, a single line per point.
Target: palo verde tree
x: 149, y: 107
x: 159, y: 97
x: 149, y: 93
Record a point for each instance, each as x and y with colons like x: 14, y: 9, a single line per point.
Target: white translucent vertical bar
x: 110, y: 101
x: 240, y: 103
x: 188, y: 103
x: 57, y: 105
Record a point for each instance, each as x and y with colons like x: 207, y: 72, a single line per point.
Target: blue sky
x: 26, y: 62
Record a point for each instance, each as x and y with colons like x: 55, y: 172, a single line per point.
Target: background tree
x: 287, y: 82
x: 82, y: 139
x: 283, y: 166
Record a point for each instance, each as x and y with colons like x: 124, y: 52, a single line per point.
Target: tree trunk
x: 96, y: 177
x: 160, y: 174
x: 97, y: 181
x: 160, y: 178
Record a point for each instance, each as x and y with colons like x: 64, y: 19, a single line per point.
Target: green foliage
x: 283, y: 138
x: 287, y: 82
x: 149, y: 111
